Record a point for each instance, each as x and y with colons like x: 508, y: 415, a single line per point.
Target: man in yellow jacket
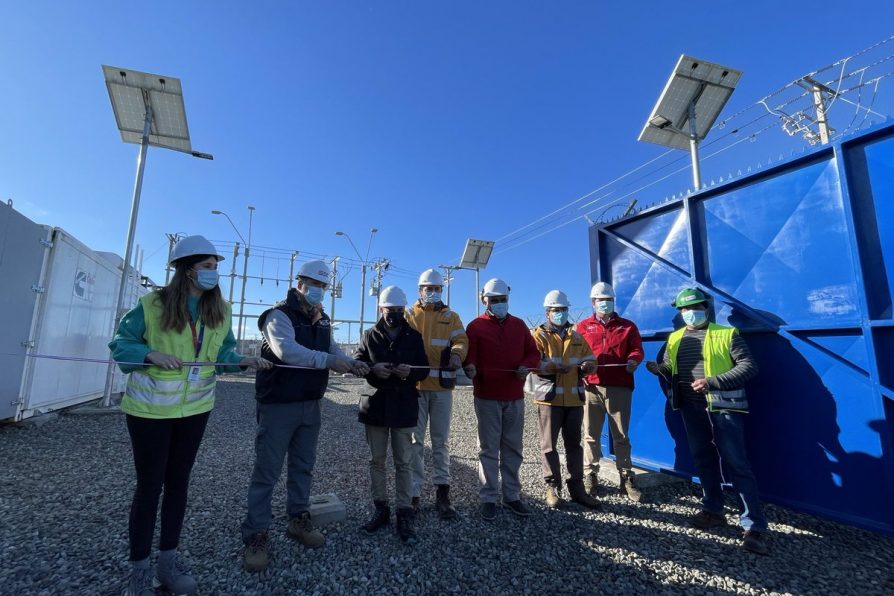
x: 557, y: 389
x: 446, y: 345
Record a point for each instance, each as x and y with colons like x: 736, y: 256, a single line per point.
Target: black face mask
x: 393, y: 319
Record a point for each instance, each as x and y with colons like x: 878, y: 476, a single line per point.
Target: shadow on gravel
x: 66, y: 489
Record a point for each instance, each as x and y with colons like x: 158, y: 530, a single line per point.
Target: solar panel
x: 131, y: 91
x: 705, y: 85
x: 476, y: 254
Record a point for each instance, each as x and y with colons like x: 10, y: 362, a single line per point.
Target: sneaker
x: 488, y: 511
x: 140, y: 582
x: 705, y: 520
x: 552, y: 498
x: 517, y: 507
x: 174, y: 575
x: 302, y: 529
x: 755, y: 542
x: 255, y: 552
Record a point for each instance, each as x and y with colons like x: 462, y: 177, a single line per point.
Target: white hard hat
x: 317, y: 270
x: 191, y: 246
x: 495, y: 287
x: 602, y: 290
x: 392, y: 296
x: 556, y: 298
x: 430, y: 277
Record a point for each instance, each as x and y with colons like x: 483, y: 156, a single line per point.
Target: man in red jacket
x: 501, y: 350
x: 619, y: 350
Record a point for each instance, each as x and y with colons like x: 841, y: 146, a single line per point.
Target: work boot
x: 755, y: 542
x: 380, y: 519
x: 705, y: 520
x: 591, y: 483
x: 255, y: 552
x: 302, y: 529
x: 405, y: 526
x: 415, y: 504
x: 172, y: 574
x: 140, y: 582
x: 579, y: 495
x: 552, y: 498
x: 633, y: 493
x: 442, y: 502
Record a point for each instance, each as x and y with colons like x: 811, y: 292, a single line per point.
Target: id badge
x: 194, y: 373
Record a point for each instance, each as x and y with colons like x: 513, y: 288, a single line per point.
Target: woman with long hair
x: 173, y: 343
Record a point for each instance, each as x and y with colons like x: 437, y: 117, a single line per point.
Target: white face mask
x: 604, y: 307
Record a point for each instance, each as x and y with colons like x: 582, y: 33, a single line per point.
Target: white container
x: 61, y: 302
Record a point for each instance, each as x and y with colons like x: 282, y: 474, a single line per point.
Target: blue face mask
x: 559, y: 318
x: 605, y: 306
x: 314, y: 295
x: 499, y: 310
x: 431, y: 297
x: 694, y: 318
x: 206, y: 279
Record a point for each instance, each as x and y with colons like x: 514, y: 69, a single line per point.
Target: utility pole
x: 172, y: 240
x: 292, y: 267
x: 233, y: 271
x: 381, y: 266
x: 448, y: 279
x: 334, y: 290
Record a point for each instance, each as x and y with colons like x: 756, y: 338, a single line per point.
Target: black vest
x: 279, y: 385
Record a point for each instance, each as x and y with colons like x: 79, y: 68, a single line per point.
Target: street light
x: 235, y: 252
x: 251, y: 211
x: 362, y: 269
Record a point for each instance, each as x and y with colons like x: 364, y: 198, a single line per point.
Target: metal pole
x: 240, y: 335
x: 477, y: 301
x: 693, y: 148
x: 292, y: 267
x: 820, y: 104
x: 134, y: 210
x: 362, y: 294
x: 172, y: 240
x: 233, y: 272
x: 332, y: 288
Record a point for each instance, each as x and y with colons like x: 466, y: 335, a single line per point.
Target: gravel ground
x: 67, y: 484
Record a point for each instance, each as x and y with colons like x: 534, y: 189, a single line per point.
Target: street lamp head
x: 216, y: 212
x: 374, y: 230
x: 339, y: 233
x: 251, y: 208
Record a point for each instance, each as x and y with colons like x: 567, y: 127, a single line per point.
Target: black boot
x: 442, y: 502
x: 380, y: 519
x: 405, y: 526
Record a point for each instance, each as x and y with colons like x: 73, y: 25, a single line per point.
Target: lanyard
x: 197, y: 341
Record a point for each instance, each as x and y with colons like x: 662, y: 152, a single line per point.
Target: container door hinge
x: 38, y: 288
x: 47, y: 243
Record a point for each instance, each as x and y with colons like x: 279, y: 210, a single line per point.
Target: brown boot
x: 591, y: 483
x: 551, y: 498
x: 579, y: 495
x: 633, y: 493
x: 302, y: 529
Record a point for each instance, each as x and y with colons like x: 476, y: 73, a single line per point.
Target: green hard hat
x: 688, y: 297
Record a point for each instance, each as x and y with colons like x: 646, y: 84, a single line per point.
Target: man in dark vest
x: 296, y: 332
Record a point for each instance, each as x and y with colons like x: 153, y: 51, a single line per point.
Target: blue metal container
x: 800, y: 258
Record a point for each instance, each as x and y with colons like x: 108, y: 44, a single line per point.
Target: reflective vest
x: 158, y: 393
x: 717, y: 359
x: 571, y: 350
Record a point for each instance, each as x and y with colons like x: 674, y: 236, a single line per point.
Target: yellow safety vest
x: 158, y: 393
x: 570, y: 350
x: 716, y: 355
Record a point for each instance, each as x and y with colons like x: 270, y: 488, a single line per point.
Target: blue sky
x: 433, y: 122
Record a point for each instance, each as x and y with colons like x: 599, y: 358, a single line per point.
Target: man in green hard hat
x: 707, y: 366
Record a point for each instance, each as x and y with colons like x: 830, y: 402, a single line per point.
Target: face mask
x: 499, y: 310
x: 559, y: 318
x: 694, y: 318
x: 431, y: 297
x: 206, y: 279
x: 393, y: 318
x: 314, y: 295
x: 605, y: 306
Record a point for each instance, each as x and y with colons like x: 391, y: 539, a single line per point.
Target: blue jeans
x: 291, y: 428
x: 716, y: 436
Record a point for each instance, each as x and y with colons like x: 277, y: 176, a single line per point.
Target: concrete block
x: 643, y: 478
x: 327, y: 509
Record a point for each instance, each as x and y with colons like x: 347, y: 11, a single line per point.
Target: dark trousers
x: 163, y: 453
x: 551, y: 421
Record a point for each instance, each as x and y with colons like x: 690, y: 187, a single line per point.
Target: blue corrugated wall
x: 799, y: 257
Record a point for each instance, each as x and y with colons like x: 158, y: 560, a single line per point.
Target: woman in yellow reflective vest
x: 164, y: 342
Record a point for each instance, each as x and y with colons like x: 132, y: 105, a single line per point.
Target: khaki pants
x: 435, y: 410
x: 552, y: 421
x: 401, y: 451
x: 614, y: 401
x: 501, y: 426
